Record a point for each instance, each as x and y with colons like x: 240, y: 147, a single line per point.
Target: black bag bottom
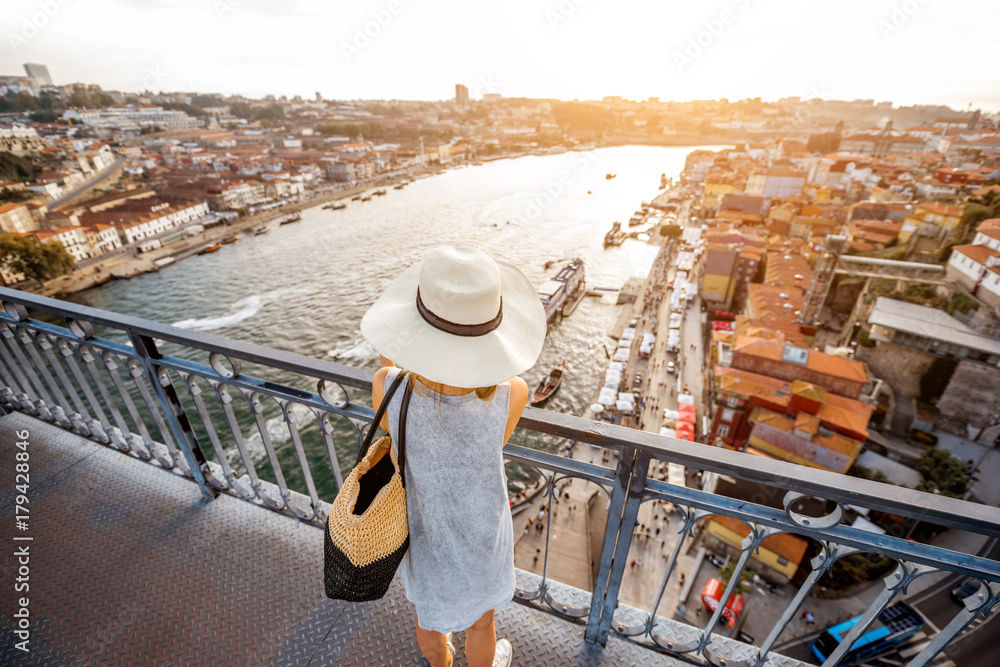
x: 345, y: 581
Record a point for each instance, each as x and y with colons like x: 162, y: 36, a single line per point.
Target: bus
x: 892, y: 627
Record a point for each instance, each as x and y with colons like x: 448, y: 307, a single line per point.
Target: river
x: 304, y: 287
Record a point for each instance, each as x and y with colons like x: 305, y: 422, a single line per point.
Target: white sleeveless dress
x: 460, y: 563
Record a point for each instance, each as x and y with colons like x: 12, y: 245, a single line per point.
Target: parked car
x: 968, y: 589
x: 637, y: 382
x: 923, y: 437
x: 671, y: 368
x: 714, y: 558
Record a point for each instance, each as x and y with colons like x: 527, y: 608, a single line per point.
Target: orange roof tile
x: 941, y: 209
x: 809, y: 391
x: 820, y: 362
x: 977, y: 253
x: 790, y: 547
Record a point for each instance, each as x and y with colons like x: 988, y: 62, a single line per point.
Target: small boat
x: 368, y: 198
x: 230, y: 239
x: 295, y: 217
x: 589, y: 192
x: 356, y: 198
x: 548, y: 385
x: 211, y: 248
x: 263, y: 229
x: 336, y: 207
x: 548, y: 264
x: 399, y: 187
x: 614, y: 237
x: 379, y: 193
x: 608, y: 177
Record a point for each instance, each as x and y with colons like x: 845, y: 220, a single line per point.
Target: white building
x: 132, y: 118
x: 74, y: 239
x: 988, y: 234
x: 232, y: 195
x: 968, y: 264
x: 102, y: 238
x: 16, y: 218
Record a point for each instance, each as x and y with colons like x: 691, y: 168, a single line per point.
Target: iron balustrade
x: 41, y: 375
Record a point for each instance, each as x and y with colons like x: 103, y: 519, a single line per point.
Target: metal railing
x: 141, y: 377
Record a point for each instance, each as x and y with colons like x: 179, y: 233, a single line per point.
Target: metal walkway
x: 129, y: 566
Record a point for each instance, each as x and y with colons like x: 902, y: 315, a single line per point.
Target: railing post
x: 636, y: 464
x: 617, y: 503
x: 177, y: 419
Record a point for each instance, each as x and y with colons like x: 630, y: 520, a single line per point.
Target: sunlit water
x: 305, y: 286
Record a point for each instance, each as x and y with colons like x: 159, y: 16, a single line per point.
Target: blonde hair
x: 483, y: 393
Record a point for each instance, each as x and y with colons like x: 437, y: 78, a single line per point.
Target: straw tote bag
x: 368, y: 532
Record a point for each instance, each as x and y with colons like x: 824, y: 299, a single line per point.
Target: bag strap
x: 370, y: 435
x: 401, y: 446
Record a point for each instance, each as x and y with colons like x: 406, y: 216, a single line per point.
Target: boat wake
x: 357, y: 353
x: 277, y: 431
x: 240, y: 311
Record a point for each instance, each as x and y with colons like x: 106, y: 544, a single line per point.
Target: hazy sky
x: 906, y: 51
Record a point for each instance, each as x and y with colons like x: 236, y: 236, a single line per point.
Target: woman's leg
x: 434, y: 646
x: 481, y: 641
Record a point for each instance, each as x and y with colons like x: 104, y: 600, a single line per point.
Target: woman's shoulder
x: 518, y: 392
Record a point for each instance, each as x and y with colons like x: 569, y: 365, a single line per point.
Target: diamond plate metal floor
x: 129, y: 566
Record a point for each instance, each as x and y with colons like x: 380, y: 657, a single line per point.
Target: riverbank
x: 126, y: 265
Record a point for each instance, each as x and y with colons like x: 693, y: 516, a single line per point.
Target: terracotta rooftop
x: 941, y: 209
x: 790, y: 547
x: 835, y: 442
x: 827, y: 364
x: 977, y: 253
x: 4, y: 208
x: 990, y: 228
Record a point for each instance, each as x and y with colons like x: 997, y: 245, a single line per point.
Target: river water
x: 305, y: 286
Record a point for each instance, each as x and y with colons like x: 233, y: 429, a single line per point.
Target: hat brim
x: 397, y: 331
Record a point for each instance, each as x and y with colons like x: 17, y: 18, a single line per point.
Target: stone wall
x: 900, y: 366
x: 972, y: 399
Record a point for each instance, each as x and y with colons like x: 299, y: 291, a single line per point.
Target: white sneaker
x: 503, y: 653
x: 451, y: 647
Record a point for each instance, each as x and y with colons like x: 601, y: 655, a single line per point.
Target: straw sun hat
x: 458, y: 317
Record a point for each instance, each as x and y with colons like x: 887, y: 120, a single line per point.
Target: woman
x: 465, y: 326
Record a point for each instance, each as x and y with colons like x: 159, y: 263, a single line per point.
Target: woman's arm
x: 518, y: 399
x: 378, y: 391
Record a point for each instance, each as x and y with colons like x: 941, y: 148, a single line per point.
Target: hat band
x: 458, y: 329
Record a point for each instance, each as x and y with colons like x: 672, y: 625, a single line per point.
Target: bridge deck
x: 129, y: 566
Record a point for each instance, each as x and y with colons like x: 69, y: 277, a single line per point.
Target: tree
x: 726, y: 573
x: 44, y: 116
x: 936, y: 379
x: 36, y: 260
x: 943, y: 473
x: 963, y: 303
x: 14, y: 168
x: 867, y: 473
x: 673, y: 231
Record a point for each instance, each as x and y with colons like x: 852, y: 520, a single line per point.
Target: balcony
x: 179, y: 482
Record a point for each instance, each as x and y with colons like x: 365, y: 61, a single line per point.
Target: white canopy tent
x: 607, y: 397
